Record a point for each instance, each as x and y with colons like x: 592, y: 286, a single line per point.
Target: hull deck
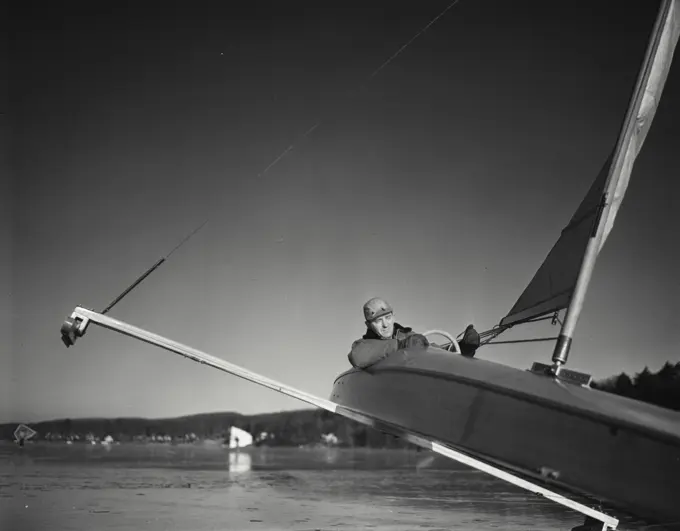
x: 618, y: 450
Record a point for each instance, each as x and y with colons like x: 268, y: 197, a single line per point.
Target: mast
x: 635, y: 126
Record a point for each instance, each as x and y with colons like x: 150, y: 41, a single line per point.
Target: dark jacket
x: 470, y: 342
x: 371, y: 348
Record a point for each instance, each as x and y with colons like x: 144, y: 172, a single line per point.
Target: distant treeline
x: 287, y: 428
x: 661, y: 388
x: 306, y: 426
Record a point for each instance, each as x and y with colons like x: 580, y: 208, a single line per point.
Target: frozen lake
x: 52, y: 486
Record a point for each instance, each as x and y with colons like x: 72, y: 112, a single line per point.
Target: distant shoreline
x: 292, y: 428
x: 300, y: 427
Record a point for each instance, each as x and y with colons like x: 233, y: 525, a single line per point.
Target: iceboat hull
x: 623, y: 452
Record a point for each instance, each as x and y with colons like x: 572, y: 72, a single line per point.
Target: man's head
x: 379, y: 317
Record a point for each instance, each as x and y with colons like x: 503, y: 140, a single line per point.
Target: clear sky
x: 439, y: 182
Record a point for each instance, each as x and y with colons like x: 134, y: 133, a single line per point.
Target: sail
x: 660, y: 66
x: 23, y: 433
x: 551, y: 288
x: 239, y: 438
x: 553, y: 285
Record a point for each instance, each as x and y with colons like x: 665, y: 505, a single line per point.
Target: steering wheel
x: 448, y: 336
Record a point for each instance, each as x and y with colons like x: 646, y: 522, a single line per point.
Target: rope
x: 531, y: 340
x: 499, y: 329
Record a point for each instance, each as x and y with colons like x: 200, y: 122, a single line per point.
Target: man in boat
x: 383, y: 336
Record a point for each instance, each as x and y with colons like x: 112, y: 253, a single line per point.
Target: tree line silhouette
x: 661, y: 388
x: 286, y: 428
x: 307, y: 426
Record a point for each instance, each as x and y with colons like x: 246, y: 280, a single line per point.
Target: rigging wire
x: 151, y: 269
x: 408, y: 43
x: 375, y: 72
x: 277, y: 159
x: 186, y: 239
x: 489, y: 335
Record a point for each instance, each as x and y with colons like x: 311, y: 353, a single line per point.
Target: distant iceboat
x: 23, y: 433
x: 239, y: 438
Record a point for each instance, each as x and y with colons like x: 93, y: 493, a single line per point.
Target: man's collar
x: 370, y: 333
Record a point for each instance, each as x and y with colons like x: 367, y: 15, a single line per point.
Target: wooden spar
x: 76, y: 326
